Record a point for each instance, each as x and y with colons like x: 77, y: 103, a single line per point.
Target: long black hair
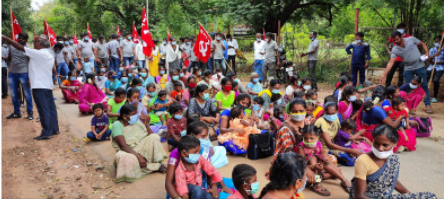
x: 125, y: 110
x: 390, y: 92
x: 348, y: 90
x: 387, y: 130
x: 342, y: 82
x: 90, y: 77
x: 200, y: 89
x: 286, y: 170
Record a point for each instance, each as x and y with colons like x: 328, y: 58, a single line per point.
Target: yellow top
x: 331, y: 129
x: 365, y: 166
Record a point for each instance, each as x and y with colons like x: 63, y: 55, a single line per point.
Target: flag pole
x: 12, y: 24
x: 436, y: 59
x: 146, y: 13
x: 47, y: 32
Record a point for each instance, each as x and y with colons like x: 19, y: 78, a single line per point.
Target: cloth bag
x: 425, y: 128
x: 261, y: 145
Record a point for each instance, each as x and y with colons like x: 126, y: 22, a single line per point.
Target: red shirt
x: 391, y: 41
x: 175, y: 126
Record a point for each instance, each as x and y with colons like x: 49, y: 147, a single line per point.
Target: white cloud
x: 35, y: 4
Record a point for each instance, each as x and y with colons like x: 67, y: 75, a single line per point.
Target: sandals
x: 429, y: 111
x: 322, y: 192
x: 346, y: 189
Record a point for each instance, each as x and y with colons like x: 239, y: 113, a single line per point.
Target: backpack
x: 425, y: 128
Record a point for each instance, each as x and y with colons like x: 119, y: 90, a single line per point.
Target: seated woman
x: 115, y: 104
x: 133, y: 99
x: 206, y: 79
x: 196, y: 72
x: 143, y: 73
x: 254, y: 86
x: 202, y: 105
x: 111, y: 84
x: 162, y: 78
x: 90, y: 94
x: 139, y: 151
x: 287, y: 177
x: 372, y: 114
x: 345, y: 80
x: 413, y: 94
x: 294, y: 85
x: 345, y: 104
x: 243, y: 101
x: 233, y: 77
x: 137, y: 84
x: 390, y: 93
x: 70, y: 88
x: 271, y: 96
x: 376, y: 173
x: 225, y: 97
x: 124, y: 80
x: 100, y: 80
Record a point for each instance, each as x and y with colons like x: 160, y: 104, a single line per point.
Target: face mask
x: 352, y: 98
x: 124, y: 79
x: 162, y: 72
x: 205, y: 143
x: 382, y: 155
x: 266, y: 39
x: 138, y: 87
x: 331, y: 118
x: 310, y: 144
x: 86, y: 39
x: 181, y: 75
x: 299, y: 83
x: 227, y: 88
x: 307, y: 87
x: 437, y: 45
x: 143, y: 74
x: 66, y: 43
x: 101, y: 77
x: 72, y: 78
x: 279, y: 101
x: 118, y: 100
x: 200, y: 73
x: 303, y: 187
x: 401, y: 31
x: 281, y: 116
x: 133, y: 120
x: 173, y: 43
x: 358, y: 41
x: 220, y: 74
x: 103, y: 69
x: 312, y: 38
x: 178, y: 117
x: 130, y: 75
x: 192, y: 85
x: 175, y: 78
x: 121, y: 38
x: 192, y: 158
x: 206, y: 96
x: 237, y: 80
x: 121, y: 69
x: 258, y: 39
x: 132, y: 102
x: 298, y: 116
x: 275, y: 91
x: 189, y: 43
x: 183, y: 133
x: 114, y: 76
x: 413, y: 86
x: 129, y: 37
x: 71, y: 41
x: 152, y: 94
x: 255, y: 80
x: 218, y: 38
x: 254, y: 188
x: 256, y: 107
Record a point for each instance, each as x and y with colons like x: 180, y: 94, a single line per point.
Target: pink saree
x: 413, y: 98
x: 90, y: 94
x: 68, y: 95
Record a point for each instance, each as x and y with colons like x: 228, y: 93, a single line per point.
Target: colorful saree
x: 413, y: 98
x: 90, y: 94
x: 68, y: 94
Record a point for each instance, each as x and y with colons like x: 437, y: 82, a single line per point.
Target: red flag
x: 48, y: 31
x: 118, y: 30
x: 186, y: 62
x: 75, y: 39
x: 169, y: 35
x: 218, y: 30
x: 202, y: 47
x: 263, y: 34
x: 135, y: 35
x: 89, y: 32
x: 147, y: 40
x: 16, y: 26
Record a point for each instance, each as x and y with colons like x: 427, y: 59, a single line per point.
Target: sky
x: 35, y: 4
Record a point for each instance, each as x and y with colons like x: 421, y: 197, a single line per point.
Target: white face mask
x: 382, y: 155
x: 401, y: 31
x: 413, y: 86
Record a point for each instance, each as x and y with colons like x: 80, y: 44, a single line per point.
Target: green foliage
x: 22, y: 12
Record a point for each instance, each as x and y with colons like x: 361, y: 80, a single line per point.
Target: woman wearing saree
x: 145, y: 77
x: 294, y: 85
x: 148, y: 101
x: 225, y: 97
x: 139, y: 151
x: 271, y: 97
x: 345, y: 105
x: 153, y: 61
x: 372, y: 114
x: 70, y: 88
x: 162, y: 78
x: 376, y: 173
x: 111, y: 84
x: 254, y: 86
x: 90, y: 94
x: 413, y: 94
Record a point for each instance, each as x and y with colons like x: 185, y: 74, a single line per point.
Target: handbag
x: 261, y: 146
x: 425, y: 128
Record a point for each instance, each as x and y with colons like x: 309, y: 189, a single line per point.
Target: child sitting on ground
x: 188, y: 174
x: 161, y: 112
x: 279, y: 116
x: 312, y: 97
x: 299, y: 94
x: 397, y: 110
x: 245, y: 180
x: 177, y: 92
x: 99, y: 125
x: 87, y: 67
x: 259, y: 112
x: 345, y: 138
x: 309, y: 118
x: 318, y: 160
x: 176, y: 125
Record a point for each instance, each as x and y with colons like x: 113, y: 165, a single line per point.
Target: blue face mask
x: 130, y: 75
x: 256, y: 80
x: 114, y: 76
x: 133, y: 120
x: 121, y: 69
x: 173, y: 43
x: 138, y: 87
x: 86, y: 39
x: 71, y: 41
x: 256, y: 107
x: 258, y: 39
x: 129, y: 37
x: 312, y: 38
x: 218, y: 38
x: 72, y: 78
x: 307, y: 87
x: 181, y: 75
x: 178, y: 117
x: 303, y: 187
x: 205, y: 143
x: 189, y: 43
x: 183, y: 133
x: 358, y: 41
x: 164, y: 42
x: 331, y: 118
x: 275, y: 91
x: 135, y: 101
x: 121, y: 38
x: 192, y: 158
x: 124, y: 79
x: 206, y: 96
x: 66, y: 43
x: 200, y: 73
x: 101, y: 77
x: 254, y: 188
x: 143, y: 74
x: 437, y: 45
x: 352, y: 98
x: 175, y: 78
x: 152, y: 94
x: 103, y: 69
x: 162, y: 72
x: 279, y: 101
x: 266, y: 39
x: 299, y: 83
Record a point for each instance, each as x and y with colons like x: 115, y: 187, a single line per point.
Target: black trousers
x: 396, y: 65
x: 4, y: 81
x: 232, y: 60
x: 436, y: 77
x: 44, y: 100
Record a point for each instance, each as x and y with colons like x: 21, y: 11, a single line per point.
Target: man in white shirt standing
x: 258, y: 56
x: 41, y: 63
x: 232, y: 47
x: 139, y: 54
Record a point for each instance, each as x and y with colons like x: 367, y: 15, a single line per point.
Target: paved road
x: 422, y: 170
